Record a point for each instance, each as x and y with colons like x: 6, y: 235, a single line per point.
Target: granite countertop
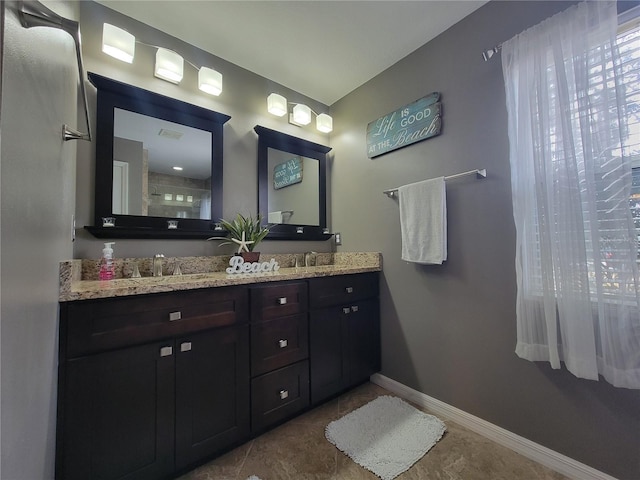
x: 79, y: 278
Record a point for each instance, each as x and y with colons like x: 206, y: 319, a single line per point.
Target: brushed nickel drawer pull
x: 166, y: 351
x: 346, y: 310
x: 284, y: 394
x: 173, y: 316
x: 185, y: 347
x: 354, y: 308
x: 282, y: 301
x: 283, y: 343
x: 349, y: 289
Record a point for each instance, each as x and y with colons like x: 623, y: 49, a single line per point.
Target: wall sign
x: 287, y: 173
x: 412, y: 123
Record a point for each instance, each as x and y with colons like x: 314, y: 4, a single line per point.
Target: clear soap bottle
x: 107, y: 268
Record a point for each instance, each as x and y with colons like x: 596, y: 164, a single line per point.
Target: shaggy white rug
x: 385, y: 436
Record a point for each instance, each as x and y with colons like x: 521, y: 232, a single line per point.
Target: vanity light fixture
x: 324, y: 123
x: 118, y: 43
x: 169, y: 65
x: 277, y: 105
x: 300, y: 114
x: 178, y: 169
x: 210, y: 81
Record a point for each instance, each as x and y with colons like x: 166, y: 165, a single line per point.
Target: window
x: 573, y: 101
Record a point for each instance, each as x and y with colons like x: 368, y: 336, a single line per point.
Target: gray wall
x: 449, y: 331
x: 37, y: 204
x: 244, y: 98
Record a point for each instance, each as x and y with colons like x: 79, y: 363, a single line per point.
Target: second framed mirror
x: 292, y: 186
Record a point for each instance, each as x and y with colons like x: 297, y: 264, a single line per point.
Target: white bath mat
x: 385, y: 436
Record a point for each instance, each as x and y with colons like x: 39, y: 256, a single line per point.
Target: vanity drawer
x: 96, y: 325
x: 279, y: 300
x: 278, y: 395
x: 279, y: 342
x: 329, y: 291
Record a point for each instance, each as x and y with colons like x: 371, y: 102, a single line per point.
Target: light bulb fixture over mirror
x: 300, y: 113
x: 277, y: 105
x: 169, y: 65
x: 324, y: 123
x: 118, y: 43
x: 210, y: 81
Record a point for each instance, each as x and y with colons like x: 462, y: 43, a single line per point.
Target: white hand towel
x: 423, y: 221
x: 274, y: 217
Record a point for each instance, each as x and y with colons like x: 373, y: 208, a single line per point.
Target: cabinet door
x: 327, y: 349
x: 212, y: 393
x: 363, y: 330
x: 118, y: 415
x: 344, y: 348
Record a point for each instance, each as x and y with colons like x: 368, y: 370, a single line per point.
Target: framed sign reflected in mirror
x: 292, y: 186
x: 158, y: 160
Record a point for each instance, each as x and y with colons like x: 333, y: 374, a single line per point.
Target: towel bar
x: 480, y: 173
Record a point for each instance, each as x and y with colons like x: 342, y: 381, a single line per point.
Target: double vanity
x: 159, y: 374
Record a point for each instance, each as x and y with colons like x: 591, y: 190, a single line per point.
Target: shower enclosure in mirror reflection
x: 158, y: 161
x: 160, y: 168
x: 292, y: 186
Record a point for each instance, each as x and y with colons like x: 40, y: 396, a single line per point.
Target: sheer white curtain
x: 567, y: 90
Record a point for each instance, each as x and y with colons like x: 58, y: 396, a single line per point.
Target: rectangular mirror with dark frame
x: 292, y: 186
x: 158, y: 164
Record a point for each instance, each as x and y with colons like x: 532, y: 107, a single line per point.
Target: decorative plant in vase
x: 247, y: 232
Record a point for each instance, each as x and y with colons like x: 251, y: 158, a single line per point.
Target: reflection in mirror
x: 293, y: 189
x: 140, y: 137
x: 160, y: 168
x: 292, y: 186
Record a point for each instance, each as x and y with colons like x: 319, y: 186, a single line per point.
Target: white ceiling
x: 323, y: 49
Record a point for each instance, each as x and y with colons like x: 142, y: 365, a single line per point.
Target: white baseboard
x: 543, y: 455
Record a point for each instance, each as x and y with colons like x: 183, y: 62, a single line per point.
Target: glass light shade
x: 169, y: 65
x: 118, y: 43
x: 276, y: 105
x: 324, y: 123
x: 302, y: 114
x: 210, y: 81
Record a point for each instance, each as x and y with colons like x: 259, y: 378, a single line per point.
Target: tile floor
x: 298, y: 450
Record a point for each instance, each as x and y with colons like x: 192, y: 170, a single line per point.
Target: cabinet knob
x: 185, y: 347
x: 284, y: 394
x: 346, y: 310
x: 173, y: 316
x: 282, y: 301
x: 354, y: 308
x: 283, y: 343
x: 166, y: 351
x: 349, y: 289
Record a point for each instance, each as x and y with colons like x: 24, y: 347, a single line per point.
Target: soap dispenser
x: 107, y: 268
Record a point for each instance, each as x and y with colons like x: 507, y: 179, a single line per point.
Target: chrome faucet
x: 307, y: 257
x: 157, y: 265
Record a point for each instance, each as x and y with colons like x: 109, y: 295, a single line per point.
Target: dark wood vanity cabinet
x: 152, y: 384
x: 344, y: 333
x: 279, y: 352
